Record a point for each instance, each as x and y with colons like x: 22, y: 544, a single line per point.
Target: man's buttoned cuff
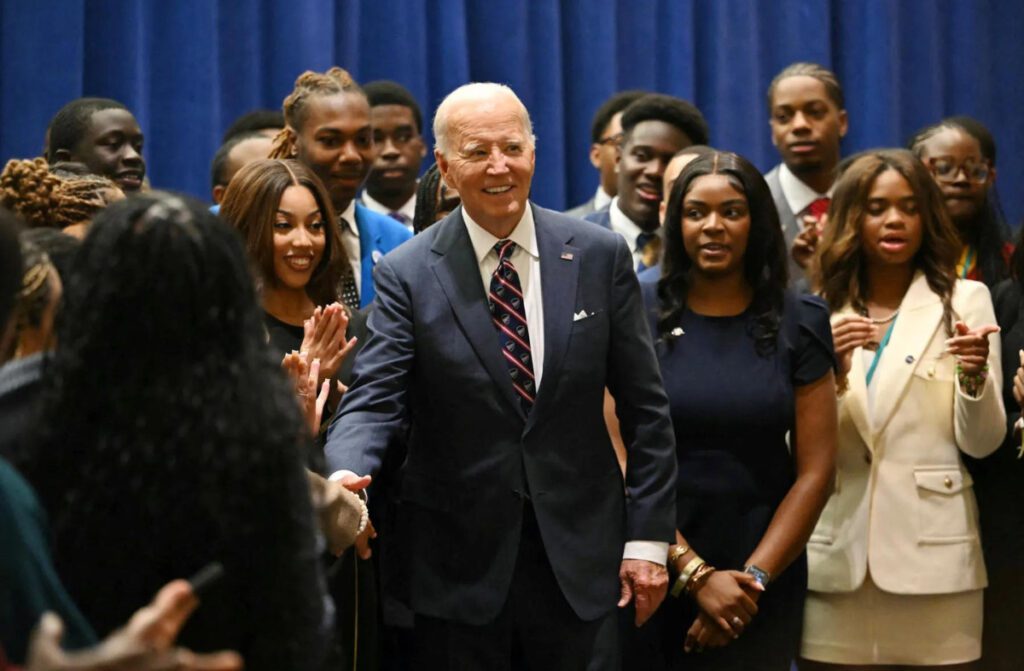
x: 652, y: 551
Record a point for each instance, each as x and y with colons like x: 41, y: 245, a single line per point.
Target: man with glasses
x: 808, y: 121
x: 605, y: 133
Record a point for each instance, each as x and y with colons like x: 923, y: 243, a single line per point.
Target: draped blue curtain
x: 187, y: 68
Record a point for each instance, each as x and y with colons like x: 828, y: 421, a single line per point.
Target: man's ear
x: 844, y: 123
x: 218, y: 193
x: 61, y: 155
x: 595, y: 155
x: 442, y: 166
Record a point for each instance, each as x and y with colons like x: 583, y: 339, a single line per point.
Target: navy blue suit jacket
x: 431, y: 374
x: 378, y: 235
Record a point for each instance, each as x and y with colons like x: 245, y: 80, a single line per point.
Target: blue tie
x: 508, y: 312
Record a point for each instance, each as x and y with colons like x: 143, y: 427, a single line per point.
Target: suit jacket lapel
x: 856, y: 401
x: 458, y: 273
x: 920, y: 316
x: 559, y: 267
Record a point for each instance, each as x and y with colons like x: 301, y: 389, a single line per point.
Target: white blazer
x: 903, y: 502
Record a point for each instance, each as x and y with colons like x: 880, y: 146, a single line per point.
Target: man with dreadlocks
x: 328, y: 128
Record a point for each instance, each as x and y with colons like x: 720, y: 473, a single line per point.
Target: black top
x: 284, y: 338
x: 734, y: 412
x: 998, y: 477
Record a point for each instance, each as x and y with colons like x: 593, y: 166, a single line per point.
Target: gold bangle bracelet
x: 699, y: 579
x: 675, y: 554
x: 684, y: 576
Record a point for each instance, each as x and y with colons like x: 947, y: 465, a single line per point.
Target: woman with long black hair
x: 170, y: 439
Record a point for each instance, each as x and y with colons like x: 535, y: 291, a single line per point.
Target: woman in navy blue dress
x: 748, y: 368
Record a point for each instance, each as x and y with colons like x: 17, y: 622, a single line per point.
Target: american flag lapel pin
x: 567, y: 256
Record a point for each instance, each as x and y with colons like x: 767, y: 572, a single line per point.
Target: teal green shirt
x: 29, y: 585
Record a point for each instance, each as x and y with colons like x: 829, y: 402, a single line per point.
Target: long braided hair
x: 46, y: 200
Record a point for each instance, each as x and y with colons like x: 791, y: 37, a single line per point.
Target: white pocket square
x: 582, y: 314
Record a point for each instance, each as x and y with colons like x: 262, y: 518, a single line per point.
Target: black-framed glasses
x: 613, y: 140
x: 946, y: 168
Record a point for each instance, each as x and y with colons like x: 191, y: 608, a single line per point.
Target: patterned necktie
x: 347, y: 288
x: 818, y: 208
x: 648, y: 244
x: 508, y: 312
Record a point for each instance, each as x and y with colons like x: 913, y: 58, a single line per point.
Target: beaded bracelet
x: 971, y: 384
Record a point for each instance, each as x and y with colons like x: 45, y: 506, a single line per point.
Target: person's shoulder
x: 600, y: 217
x: 581, y: 210
x: 970, y: 292
x: 582, y: 231
x: 383, y: 225
x: 808, y: 312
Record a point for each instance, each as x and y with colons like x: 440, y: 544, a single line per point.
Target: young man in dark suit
x: 493, y: 337
x: 808, y: 121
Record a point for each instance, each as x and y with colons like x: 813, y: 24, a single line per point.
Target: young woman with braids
x: 966, y: 172
x: 176, y: 440
x: 48, y: 200
x: 748, y: 371
x: 328, y: 129
x: 895, y: 564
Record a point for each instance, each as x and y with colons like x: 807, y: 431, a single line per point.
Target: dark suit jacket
x: 433, y: 360
x: 790, y: 226
x: 602, y: 217
x: 378, y: 235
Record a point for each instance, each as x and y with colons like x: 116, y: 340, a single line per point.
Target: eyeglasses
x: 946, y: 168
x: 613, y: 140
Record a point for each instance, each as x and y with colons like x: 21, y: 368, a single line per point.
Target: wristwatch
x: 760, y: 575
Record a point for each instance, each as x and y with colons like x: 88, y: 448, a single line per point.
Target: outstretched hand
x: 970, y: 346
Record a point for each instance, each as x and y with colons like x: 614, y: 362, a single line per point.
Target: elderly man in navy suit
x: 492, y: 340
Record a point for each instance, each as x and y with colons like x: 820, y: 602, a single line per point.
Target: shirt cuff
x: 655, y: 552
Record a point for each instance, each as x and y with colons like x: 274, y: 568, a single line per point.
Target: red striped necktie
x: 508, y: 312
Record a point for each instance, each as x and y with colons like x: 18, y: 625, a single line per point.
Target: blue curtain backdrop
x: 188, y: 67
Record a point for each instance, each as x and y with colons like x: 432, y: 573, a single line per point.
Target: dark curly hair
x: 764, y: 263
x: 175, y: 439
x: 669, y: 109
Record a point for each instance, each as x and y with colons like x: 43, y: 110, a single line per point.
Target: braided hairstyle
x: 45, y: 200
x: 36, y: 286
x: 308, y: 85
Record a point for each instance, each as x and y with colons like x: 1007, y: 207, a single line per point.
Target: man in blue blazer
x: 378, y: 235
x: 492, y: 340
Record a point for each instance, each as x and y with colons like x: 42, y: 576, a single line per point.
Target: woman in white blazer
x: 895, y: 564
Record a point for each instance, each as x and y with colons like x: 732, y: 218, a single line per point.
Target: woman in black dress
x: 748, y: 368
x: 170, y: 439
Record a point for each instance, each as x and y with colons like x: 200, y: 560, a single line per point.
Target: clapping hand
x: 304, y: 376
x: 806, y: 242
x: 970, y: 346
x: 324, y: 339
x: 849, y: 333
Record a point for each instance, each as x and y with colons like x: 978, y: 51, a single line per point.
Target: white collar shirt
x: 625, y: 227
x: 798, y: 195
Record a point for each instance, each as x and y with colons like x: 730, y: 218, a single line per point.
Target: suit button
x: 948, y: 483
x: 931, y: 372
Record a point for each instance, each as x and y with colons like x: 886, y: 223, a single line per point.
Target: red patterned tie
x: 508, y: 312
x: 818, y: 208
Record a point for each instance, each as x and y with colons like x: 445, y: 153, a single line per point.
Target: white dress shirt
x: 350, y: 238
x: 798, y: 195
x: 601, y: 198
x: 408, y: 210
x: 625, y: 227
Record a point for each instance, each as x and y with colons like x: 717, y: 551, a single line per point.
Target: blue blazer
x: 431, y: 379
x: 602, y: 217
x: 378, y: 235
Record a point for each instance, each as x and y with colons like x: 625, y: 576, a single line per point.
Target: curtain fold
x: 188, y: 68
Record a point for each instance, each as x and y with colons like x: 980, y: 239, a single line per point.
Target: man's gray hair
x: 480, y: 91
